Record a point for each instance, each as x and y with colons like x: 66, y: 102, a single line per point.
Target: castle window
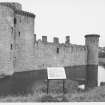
x: 57, y: 50
x: 11, y: 47
x: 15, y: 21
x: 19, y: 34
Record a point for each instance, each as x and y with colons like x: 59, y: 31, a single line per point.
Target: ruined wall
x: 46, y: 55
x: 6, y: 40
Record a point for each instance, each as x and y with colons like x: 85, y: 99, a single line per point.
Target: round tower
x: 92, y: 42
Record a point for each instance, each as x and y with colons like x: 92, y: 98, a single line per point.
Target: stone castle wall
x: 20, y: 51
x: 17, y: 37
x: 52, y: 54
x: 24, y: 49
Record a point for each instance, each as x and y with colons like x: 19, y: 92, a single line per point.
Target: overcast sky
x: 67, y: 17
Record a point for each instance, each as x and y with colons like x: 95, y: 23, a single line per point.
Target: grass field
x: 72, y: 94
x: 40, y: 92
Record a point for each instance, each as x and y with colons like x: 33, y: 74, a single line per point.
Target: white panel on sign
x: 56, y: 73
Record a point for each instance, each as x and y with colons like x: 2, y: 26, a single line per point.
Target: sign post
x: 56, y: 73
x: 47, y: 85
x: 63, y: 86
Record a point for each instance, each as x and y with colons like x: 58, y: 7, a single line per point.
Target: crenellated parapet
x: 44, y: 39
x: 12, y: 5
x: 67, y: 40
x: 55, y: 40
x: 78, y: 48
x: 73, y: 48
x: 27, y: 14
x: 17, y: 9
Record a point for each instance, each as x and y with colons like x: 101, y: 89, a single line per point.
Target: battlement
x: 78, y: 48
x: 55, y: 40
x: 17, y: 8
x: 74, y: 48
x: 21, y: 12
x: 92, y: 35
x: 13, y: 5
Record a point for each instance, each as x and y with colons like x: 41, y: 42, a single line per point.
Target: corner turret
x: 92, y: 42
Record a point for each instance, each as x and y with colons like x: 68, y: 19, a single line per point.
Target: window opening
x: 57, y: 50
x: 19, y: 34
x: 15, y: 20
x: 11, y: 47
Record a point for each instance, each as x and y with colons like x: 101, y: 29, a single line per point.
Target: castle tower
x: 16, y: 38
x: 92, y: 42
x: 14, y: 5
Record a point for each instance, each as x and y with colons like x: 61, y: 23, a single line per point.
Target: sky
x: 61, y: 18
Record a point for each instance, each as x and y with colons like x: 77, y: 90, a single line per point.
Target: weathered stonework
x: 20, y: 51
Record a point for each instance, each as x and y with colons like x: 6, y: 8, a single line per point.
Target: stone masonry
x: 20, y: 51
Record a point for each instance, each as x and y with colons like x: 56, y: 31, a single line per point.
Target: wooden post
x: 47, y: 85
x: 63, y: 86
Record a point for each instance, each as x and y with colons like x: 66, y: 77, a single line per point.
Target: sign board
x: 56, y: 73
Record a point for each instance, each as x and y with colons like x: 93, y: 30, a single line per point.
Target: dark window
x: 57, y: 50
x: 12, y: 29
x: 14, y: 20
x: 19, y: 34
x: 11, y: 47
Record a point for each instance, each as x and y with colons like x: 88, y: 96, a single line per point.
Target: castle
x: 20, y: 51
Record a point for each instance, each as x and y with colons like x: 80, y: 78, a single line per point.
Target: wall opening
x: 11, y: 47
x: 57, y: 50
x: 19, y: 34
x: 15, y: 21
